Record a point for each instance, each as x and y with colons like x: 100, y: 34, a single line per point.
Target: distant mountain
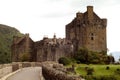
x: 116, y: 55
x: 6, y: 38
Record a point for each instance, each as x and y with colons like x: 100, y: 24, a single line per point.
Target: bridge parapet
x: 6, y: 69
x: 57, y: 72
x: 50, y: 70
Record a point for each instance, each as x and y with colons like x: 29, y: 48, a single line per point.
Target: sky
x: 42, y: 18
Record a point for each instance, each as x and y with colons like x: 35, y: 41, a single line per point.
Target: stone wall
x: 5, y: 69
x: 54, y: 52
x: 57, y: 72
x: 87, y: 30
x: 50, y: 70
x: 23, y: 45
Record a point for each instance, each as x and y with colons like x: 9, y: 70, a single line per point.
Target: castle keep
x: 86, y: 30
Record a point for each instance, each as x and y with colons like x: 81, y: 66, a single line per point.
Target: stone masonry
x: 22, y: 45
x: 48, y: 71
x: 86, y: 30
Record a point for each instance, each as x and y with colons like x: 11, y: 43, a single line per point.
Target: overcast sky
x: 42, y: 18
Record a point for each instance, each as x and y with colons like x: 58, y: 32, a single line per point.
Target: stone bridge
x: 35, y: 71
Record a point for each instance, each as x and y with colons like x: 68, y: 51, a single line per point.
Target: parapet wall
x: 50, y: 70
x: 57, y: 72
x: 5, y: 69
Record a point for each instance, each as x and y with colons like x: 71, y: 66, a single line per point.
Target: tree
x: 82, y: 55
x: 119, y: 58
x: 110, y: 59
x: 103, y: 52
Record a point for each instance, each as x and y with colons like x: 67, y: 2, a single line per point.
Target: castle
x: 86, y: 30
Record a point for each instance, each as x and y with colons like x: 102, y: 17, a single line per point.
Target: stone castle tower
x: 87, y: 30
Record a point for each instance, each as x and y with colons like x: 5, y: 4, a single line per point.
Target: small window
x: 92, y: 34
x: 92, y: 38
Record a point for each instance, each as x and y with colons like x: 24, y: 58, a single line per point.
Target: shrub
x: 25, y: 57
x: 86, y: 68
x: 83, y: 55
x: 107, y: 68
x: 90, y: 71
x: 73, y: 60
x: 64, y: 61
x: 117, y: 71
x: 78, y: 62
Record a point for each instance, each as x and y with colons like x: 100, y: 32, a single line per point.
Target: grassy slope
x: 99, y: 70
x: 6, y: 37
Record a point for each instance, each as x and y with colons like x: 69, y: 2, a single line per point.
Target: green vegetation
x: 93, y: 65
x: 6, y: 38
x: 64, y: 61
x: 25, y: 57
x: 99, y: 72
x: 83, y: 55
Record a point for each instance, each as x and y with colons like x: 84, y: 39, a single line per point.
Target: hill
x: 6, y: 37
x: 116, y: 55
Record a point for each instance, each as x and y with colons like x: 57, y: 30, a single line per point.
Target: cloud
x: 81, y: 4
x: 56, y: 15
x: 32, y: 15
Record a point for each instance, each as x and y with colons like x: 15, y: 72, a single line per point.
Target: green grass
x: 99, y: 70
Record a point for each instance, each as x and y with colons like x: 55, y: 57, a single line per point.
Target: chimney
x: 90, y: 12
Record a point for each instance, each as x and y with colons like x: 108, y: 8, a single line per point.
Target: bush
x: 89, y: 71
x: 64, y: 61
x: 107, y: 68
x: 25, y: 57
x: 83, y: 55
x: 73, y: 60
x: 117, y: 71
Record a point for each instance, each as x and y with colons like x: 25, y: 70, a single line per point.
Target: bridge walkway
x: 29, y: 73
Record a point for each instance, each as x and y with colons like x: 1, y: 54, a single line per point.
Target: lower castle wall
x: 53, y: 53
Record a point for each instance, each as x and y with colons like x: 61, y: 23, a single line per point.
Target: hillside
x: 6, y: 37
x: 116, y: 55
